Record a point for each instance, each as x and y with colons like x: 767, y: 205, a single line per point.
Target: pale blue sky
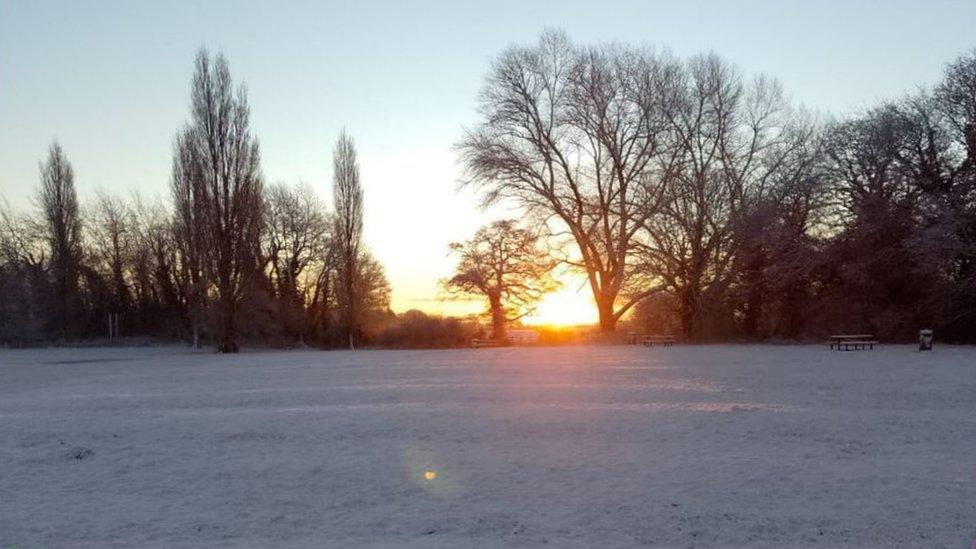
x: 110, y: 81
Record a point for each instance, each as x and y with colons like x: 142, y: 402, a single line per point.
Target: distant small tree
x: 506, y: 265
x: 418, y: 330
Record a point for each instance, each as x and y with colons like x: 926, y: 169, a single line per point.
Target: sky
x: 110, y: 81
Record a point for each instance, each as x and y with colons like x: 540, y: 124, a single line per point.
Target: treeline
x: 227, y: 259
x: 694, y: 199
x: 700, y: 201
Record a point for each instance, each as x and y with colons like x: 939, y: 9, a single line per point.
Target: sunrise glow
x: 568, y: 306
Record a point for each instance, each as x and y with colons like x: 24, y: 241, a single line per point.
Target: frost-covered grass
x: 710, y: 446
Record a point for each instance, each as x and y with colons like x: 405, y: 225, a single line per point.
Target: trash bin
x: 925, y: 340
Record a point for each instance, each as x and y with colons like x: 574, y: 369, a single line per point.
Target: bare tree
x: 372, y: 291
x: 110, y: 243
x: 217, y: 188
x: 22, y: 239
x: 23, y: 277
x: 731, y: 146
x: 506, y: 265
x: 322, y: 298
x: 347, y: 231
x: 297, y: 237
x: 154, y: 264
x: 576, y: 136
x: 942, y: 153
x: 58, y: 202
x: 956, y: 97
x: 190, y: 231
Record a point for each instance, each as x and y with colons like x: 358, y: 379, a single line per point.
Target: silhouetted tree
x: 737, y: 150
x: 155, y: 268
x: 347, y: 232
x: 58, y: 203
x: 950, y: 220
x: 110, y: 245
x: 297, y: 237
x: 190, y: 231
x: 23, y: 279
x: 217, y: 189
x: 507, y: 266
x: 576, y: 136
x: 372, y: 292
x: 873, y: 275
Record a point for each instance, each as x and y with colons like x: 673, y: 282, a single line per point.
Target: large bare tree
x: 733, y: 145
x: 347, y: 232
x: 576, y: 136
x: 58, y: 202
x: 190, y: 231
x: 506, y: 265
x: 217, y: 190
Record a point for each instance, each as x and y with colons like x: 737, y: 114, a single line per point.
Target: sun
x: 568, y: 306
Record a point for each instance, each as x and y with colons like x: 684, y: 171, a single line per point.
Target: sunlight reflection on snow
x: 721, y: 407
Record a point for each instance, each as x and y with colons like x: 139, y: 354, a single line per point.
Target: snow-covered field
x: 704, y: 446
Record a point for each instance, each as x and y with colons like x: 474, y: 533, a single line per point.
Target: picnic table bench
x: 477, y: 343
x: 852, y: 342
x: 652, y: 340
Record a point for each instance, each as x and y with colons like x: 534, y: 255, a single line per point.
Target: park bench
x: 652, y: 340
x: 852, y: 342
x: 478, y: 343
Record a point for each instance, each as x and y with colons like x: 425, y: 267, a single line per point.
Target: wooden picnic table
x: 651, y: 340
x: 852, y: 342
x: 478, y: 343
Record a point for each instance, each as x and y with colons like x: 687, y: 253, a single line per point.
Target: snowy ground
x: 710, y: 446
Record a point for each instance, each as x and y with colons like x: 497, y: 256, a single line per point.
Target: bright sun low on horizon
x: 571, y: 305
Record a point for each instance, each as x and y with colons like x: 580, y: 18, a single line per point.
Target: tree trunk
x: 228, y: 332
x: 795, y: 305
x: 755, y: 298
x: 690, y: 313
x: 608, y: 320
x: 498, y: 319
x: 351, y: 303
